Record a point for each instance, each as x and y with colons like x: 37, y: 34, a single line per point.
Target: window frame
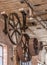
x: 2, y: 54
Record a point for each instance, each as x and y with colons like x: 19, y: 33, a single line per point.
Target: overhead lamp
x: 21, y: 9
x: 3, y: 12
x: 32, y: 22
x: 30, y: 18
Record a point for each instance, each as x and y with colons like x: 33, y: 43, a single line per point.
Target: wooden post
x: 15, y: 57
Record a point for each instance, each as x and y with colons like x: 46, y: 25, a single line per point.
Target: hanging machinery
x: 17, y: 33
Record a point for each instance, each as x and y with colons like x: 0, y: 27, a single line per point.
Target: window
x: 1, y: 55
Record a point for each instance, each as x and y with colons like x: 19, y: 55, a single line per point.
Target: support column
x: 15, y: 57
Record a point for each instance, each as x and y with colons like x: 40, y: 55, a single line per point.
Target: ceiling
x: 40, y: 8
